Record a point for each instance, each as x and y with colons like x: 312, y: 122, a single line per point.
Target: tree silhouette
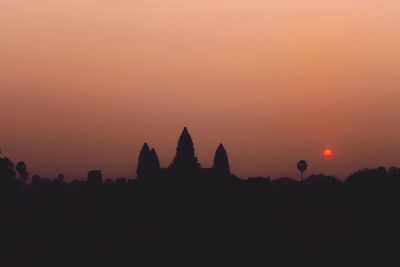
x: 60, y: 177
x: 35, y: 179
x: 302, y: 167
x: 95, y: 177
x: 7, y: 172
x: 23, y: 174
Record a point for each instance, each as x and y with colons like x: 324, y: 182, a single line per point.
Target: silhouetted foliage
x: 121, y: 181
x: 94, y: 177
x: 302, y: 167
x: 23, y: 174
x: 35, y: 179
x: 200, y: 218
x: 7, y: 172
x: 60, y: 177
x: 8, y: 183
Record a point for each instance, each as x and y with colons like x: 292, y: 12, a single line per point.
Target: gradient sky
x: 83, y: 83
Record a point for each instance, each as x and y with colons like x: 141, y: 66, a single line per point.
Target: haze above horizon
x: 83, y: 84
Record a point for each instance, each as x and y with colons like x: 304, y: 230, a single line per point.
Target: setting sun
x: 328, y: 153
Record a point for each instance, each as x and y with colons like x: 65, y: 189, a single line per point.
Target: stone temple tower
x: 148, y: 164
x: 155, y: 162
x: 221, y: 162
x: 185, y: 158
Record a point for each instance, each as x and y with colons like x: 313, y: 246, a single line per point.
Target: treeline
x: 198, y: 221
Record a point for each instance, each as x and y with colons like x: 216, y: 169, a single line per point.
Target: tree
x: 95, y: 177
x: 302, y: 167
x: 35, y: 179
x: 60, y: 177
x: 23, y: 174
x: 7, y: 172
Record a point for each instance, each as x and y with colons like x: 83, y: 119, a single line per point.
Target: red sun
x: 328, y: 153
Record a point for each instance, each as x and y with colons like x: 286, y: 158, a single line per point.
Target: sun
x: 328, y: 153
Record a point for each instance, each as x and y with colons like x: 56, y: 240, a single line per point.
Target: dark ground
x: 188, y: 222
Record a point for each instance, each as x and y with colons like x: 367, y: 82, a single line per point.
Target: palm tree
x: 302, y: 167
x: 21, y: 169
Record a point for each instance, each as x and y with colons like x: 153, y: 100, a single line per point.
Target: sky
x: 84, y: 83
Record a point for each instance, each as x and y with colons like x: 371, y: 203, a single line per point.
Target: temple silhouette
x: 187, y: 215
x: 184, y: 164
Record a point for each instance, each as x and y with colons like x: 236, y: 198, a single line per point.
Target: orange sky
x: 83, y: 83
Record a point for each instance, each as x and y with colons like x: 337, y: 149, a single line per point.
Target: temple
x: 184, y: 164
x: 148, y: 162
x: 221, y: 161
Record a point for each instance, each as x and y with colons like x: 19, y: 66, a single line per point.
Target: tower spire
x: 185, y: 157
x: 154, y: 159
x: 148, y: 164
x: 221, y: 161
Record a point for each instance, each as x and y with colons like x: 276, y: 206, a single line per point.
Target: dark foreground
x: 186, y: 222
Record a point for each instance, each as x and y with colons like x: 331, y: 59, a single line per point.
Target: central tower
x: 185, y: 158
